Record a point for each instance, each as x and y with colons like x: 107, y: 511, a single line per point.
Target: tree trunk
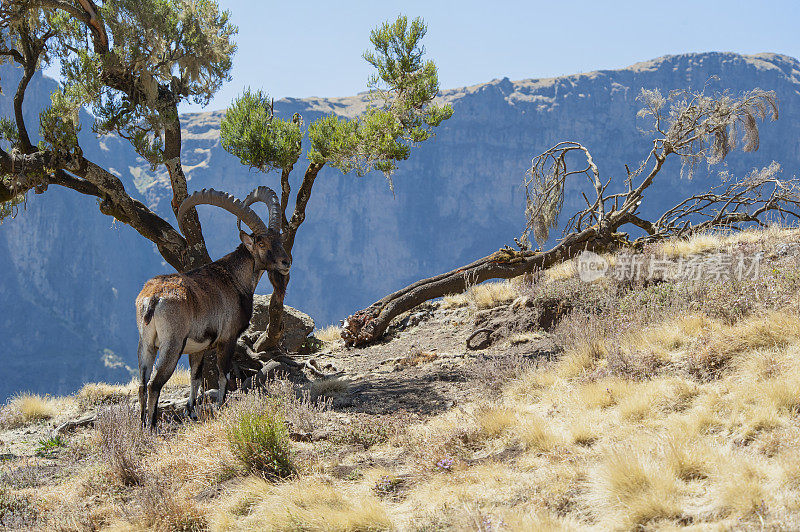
x: 370, y: 324
x: 290, y: 227
x: 274, y: 331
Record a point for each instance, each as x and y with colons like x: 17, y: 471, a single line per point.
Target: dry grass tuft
x: 95, y: 394
x: 690, y: 458
x: 100, y: 393
x: 27, y: 408
x: 455, y: 301
x: 580, y: 359
x: 328, y: 335
x: 738, y: 487
x: 774, y: 330
x: 329, y: 387
x: 160, y: 508
x: 496, y: 420
x: 181, y: 378
x: 693, y: 246
x: 630, y: 490
x: 483, y: 296
x: 561, y: 271
x: 537, y: 434
x: 310, y: 503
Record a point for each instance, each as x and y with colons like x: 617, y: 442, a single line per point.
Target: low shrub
x: 123, y: 443
x: 258, y: 437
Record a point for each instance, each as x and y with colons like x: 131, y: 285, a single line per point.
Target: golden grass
x: 181, y: 378
x: 328, y: 335
x: 650, y: 399
x: 693, y: 246
x: 537, y: 434
x: 562, y: 271
x: 455, y: 301
x: 580, y: 359
x: 738, y: 487
x: 773, y: 330
x: 771, y: 233
x: 483, y: 296
x: 629, y: 489
x: 490, y: 295
x: 585, y: 430
x: 493, y: 421
x: 664, y: 339
x: 531, y: 385
x: 310, y: 503
x: 28, y: 408
x: 98, y: 393
x: 707, y: 242
x: 690, y: 458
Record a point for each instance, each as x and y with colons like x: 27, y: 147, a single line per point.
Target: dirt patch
x: 425, y: 367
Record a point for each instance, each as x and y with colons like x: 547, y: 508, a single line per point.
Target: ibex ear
x: 247, y: 240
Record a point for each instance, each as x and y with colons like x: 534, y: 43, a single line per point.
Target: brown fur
x: 206, y: 308
x: 174, y: 285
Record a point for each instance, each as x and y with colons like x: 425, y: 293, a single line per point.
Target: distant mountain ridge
x: 71, y: 274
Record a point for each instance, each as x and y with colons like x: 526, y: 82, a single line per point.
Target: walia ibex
x: 210, y: 306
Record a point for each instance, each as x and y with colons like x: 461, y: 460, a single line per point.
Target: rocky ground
x: 423, y: 367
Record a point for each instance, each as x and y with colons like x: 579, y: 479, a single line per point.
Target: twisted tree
x: 692, y: 126
x: 400, y: 116
x: 131, y: 63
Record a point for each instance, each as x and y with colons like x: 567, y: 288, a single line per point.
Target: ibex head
x: 265, y: 243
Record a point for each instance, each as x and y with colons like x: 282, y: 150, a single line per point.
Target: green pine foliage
x: 259, y: 139
x: 402, y: 114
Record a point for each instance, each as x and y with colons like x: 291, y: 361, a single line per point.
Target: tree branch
x: 29, y: 58
x: 303, y: 195
x: 44, y: 168
x: 198, y: 253
x: 286, y: 190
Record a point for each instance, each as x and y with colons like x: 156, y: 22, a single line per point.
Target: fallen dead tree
x: 691, y: 126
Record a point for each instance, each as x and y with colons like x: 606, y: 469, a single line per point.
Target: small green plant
x: 260, y: 441
x: 48, y: 448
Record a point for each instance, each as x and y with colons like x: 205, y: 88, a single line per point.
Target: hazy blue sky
x: 313, y: 48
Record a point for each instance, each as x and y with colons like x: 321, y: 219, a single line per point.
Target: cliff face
x: 71, y: 274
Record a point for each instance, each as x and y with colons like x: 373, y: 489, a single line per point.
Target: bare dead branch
x: 695, y: 127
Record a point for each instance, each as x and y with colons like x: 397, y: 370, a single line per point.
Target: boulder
x: 296, y: 325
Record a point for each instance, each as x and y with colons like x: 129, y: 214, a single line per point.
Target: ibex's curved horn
x: 268, y: 196
x: 227, y: 202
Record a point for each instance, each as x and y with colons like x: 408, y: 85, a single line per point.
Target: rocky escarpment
x: 70, y: 273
